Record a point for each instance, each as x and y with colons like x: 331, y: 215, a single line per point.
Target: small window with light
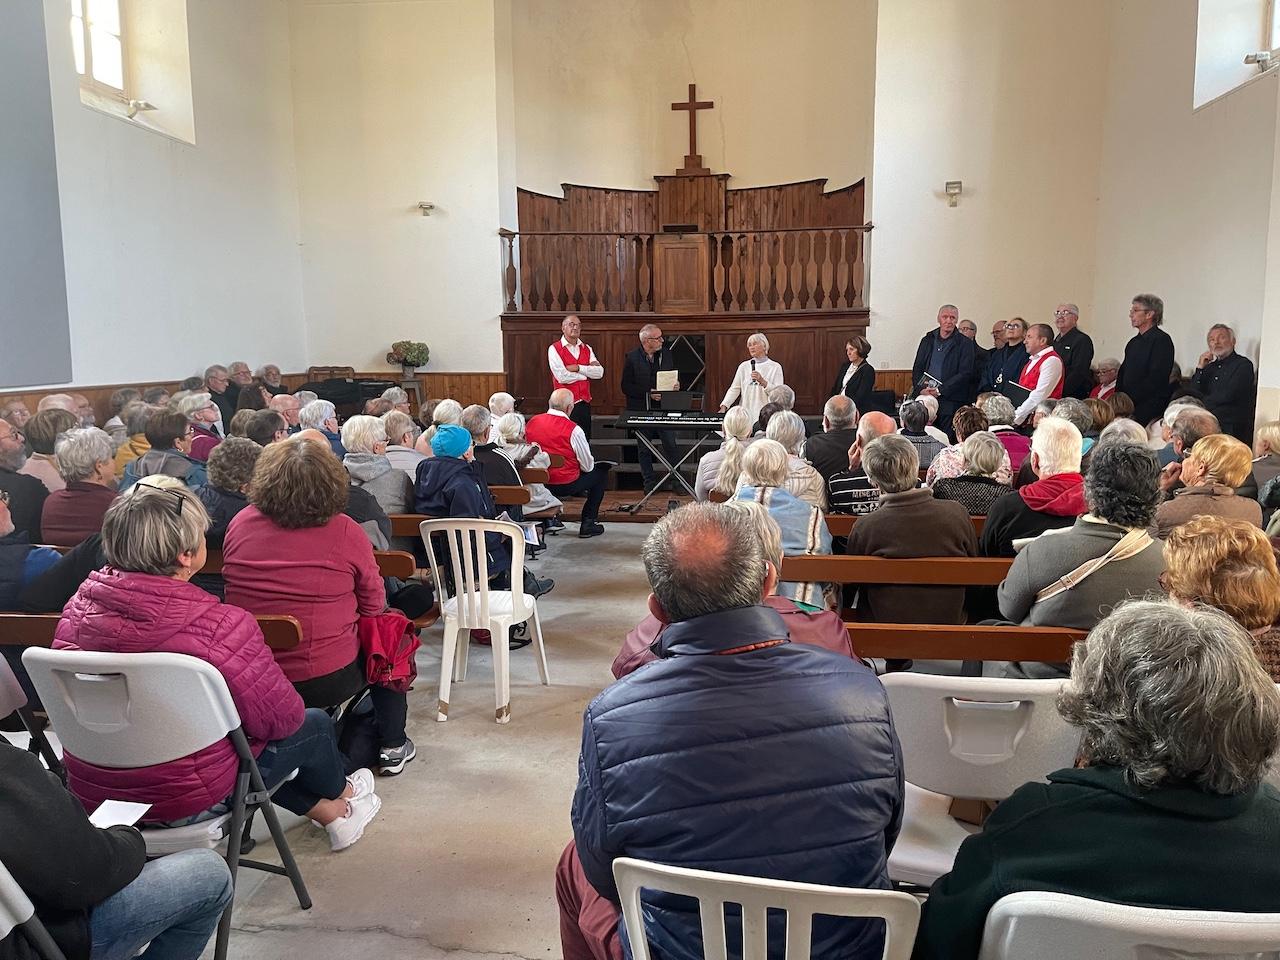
x: 98, y: 45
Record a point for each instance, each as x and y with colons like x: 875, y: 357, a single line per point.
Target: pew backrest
x: 535, y: 475
x: 841, y: 524
x: 924, y: 571
x: 914, y: 641
x: 37, y: 629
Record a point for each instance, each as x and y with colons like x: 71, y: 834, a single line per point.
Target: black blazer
x: 640, y: 376
x: 1076, y: 350
x: 1144, y: 374
x: 959, y: 370
x: 859, y: 386
x: 1228, y: 389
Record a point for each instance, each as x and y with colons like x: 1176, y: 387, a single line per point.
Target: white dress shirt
x: 578, y: 440
x: 752, y: 395
x: 593, y: 370
x: 1049, y: 375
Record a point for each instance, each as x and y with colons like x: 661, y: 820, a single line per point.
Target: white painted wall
x: 1226, y: 30
x: 396, y: 103
x: 792, y: 82
x: 1007, y: 96
x: 1185, y: 195
x: 178, y: 256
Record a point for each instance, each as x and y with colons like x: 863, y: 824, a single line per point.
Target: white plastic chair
x: 1050, y: 926
x: 975, y: 738
x: 127, y: 710
x: 13, y: 699
x: 473, y: 606
x: 18, y: 913
x: 756, y: 895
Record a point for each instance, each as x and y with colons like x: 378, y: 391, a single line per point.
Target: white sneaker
x: 345, y: 831
x: 361, y: 783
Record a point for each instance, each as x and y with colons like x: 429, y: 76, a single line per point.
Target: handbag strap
x: 1130, y: 545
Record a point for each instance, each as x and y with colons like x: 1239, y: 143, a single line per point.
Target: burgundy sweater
x: 74, y: 514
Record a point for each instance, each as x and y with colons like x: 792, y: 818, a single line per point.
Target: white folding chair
x: 13, y: 699
x: 473, y: 606
x: 756, y: 895
x: 129, y: 710
x: 975, y: 738
x: 18, y: 913
x: 1050, y: 926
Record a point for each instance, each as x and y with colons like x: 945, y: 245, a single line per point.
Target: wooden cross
x: 693, y: 161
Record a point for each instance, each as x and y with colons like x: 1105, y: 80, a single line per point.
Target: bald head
x: 561, y: 400
x: 311, y: 436
x: 287, y: 406
x: 872, y: 425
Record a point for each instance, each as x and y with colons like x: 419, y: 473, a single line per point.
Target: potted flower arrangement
x: 410, y: 354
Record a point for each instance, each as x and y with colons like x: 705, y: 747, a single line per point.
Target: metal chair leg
x: 282, y: 844
x: 233, y: 859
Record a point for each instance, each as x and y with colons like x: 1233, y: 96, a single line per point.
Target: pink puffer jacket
x: 115, y: 612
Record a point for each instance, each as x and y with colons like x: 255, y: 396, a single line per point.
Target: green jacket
x: 1086, y: 832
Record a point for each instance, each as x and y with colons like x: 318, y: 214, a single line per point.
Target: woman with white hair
x: 1167, y: 803
x: 754, y: 378
x: 365, y: 439
x: 979, y: 484
x: 401, y: 433
x: 999, y: 412
x: 1130, y: 431
x: 202, y: 413
x: 500, y: 404
x: 398, y: 398
x: 765, y: 467
x: 86, y: 459
x: 931, y: 414
x: 446, y: 411
x: 803, y: 480
x: 510, y: 437
x: 718, y: 470
x: 323, y: 416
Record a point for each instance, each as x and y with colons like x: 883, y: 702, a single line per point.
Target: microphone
x: 753, y: 366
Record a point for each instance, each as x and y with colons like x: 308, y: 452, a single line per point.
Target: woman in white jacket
x: 753, y: 379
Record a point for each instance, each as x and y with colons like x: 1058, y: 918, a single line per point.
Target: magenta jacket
x: 116, y: 612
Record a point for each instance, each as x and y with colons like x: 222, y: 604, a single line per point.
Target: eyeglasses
x: 1063, y: 313
x: 178, y: 497
x: 4, y: 496
x: 656, y: 338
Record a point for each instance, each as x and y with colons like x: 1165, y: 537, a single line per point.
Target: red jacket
x: 115, y: 612
x: 325, y: 576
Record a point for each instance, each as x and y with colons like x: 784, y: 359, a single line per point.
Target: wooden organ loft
x: 708, y: 263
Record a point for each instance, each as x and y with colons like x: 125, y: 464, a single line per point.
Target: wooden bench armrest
x: 37, y: 629
x: 406, y: 524
x: 535, y: 475
x: 510, y: 496
x: 395, y: 563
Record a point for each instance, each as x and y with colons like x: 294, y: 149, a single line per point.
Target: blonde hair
x: 397, y: 424
x: 360, y: 434
x: 147, y: 528
x: 737, y: 428
x: 1228, y: 564
x: 1267, y: 434
x: 1226, y: 460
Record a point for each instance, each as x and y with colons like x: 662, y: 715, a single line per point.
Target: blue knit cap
x: 450, y: 440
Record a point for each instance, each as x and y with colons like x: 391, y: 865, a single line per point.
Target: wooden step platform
x: 654, y: 509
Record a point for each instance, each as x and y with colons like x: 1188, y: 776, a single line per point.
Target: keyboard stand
x: 672, y: 471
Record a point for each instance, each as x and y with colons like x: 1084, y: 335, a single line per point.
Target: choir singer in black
x: 640, y: 387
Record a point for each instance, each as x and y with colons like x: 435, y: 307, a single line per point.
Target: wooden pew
x: 556, y: 459
x: 505, y: 496
x: 910, y: 641
x: 927, y: 571
x: 840, y: 524
x: 535, y: 475
x: 403, y: 566
x: 36, y: 630
x: 406, y: 524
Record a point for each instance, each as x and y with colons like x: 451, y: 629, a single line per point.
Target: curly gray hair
x: 1169, y: 695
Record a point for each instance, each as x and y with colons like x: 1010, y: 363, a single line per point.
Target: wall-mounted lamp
x: 1262, y: 58
x: 136, y: 106
x: 953, y: 189
x: 426, y: 208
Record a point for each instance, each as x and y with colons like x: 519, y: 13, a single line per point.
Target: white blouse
x: 752, y: 395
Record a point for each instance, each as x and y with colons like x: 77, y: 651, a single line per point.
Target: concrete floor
x: 460, y: 861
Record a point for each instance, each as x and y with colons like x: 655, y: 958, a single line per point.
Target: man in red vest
x: 573, y: 367
x: 555, y: 432
x: 1042, y: 374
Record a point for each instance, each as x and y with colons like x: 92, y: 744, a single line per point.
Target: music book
x: 668, y: 380
x: 1016, y: 392
x: 926, y: 381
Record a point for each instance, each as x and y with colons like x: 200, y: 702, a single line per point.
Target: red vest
x: 581, y: 389
x: 1031, y: 375
x: 551, y: 432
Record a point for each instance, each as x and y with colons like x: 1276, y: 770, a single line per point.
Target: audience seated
x: 765, y: 470
x: 20, y: 561
x: 305, y: 397
x: 136, y: 415
x: 1052, y: 501
x: 365, y: 439
x: 931, y: 414
x: 225, y: 394
x: 203, y: 415
x: 498, y: 468
x: 718, y: 470
x: 1122, y: 428
x: 266, y: 427
x: 170, y: 436
x: 322, y: 415
x: 1266, y: 449
x: 16, y: 412
x: 500, y: 404
x: 999, y: 411
x: 255, y: 396
x: 269, y: 374
x: 580, y: 475
x: 287, y: 406
x: 1167, y: 804
x: 908, y: 523
x: 915, y: 417
x: 190, y: 384
x: 240, y: 373
x: 85, y: 461
x: 24, y: 495
x: 983, y: 457
x: 1076, y: 577
x: 821, y: 628
x: 782, y: 395
x: 851, y: 491
x: 42, y: 432
x: 763, y: 417
x: 1179, y: 437
x: 92, y: 888
x: 144, y: 603
x: 226, y: 493
x: 688, y: 720
x: 59, y: 401
x: 239, y: 425
x: 803, y: 480
x: 440, y: 413
x: 156, y: 396
x: 1100, y: 413
x: 401, y: 433
x: 509, y: 430
x: 115, y: 426
x: 378, y: 406
x: 1210, y: 472
x: 950, y: 460
x: 1077, y: 414
x: 828, y: 451
x: 1121, y: 404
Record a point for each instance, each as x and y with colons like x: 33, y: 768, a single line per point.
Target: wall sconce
x: 426, y: 208
x: 136, y: 106
x: 953, y: 189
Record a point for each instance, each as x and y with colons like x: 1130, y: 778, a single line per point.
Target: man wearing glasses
x: 640, y: 387
x: 25, y: 494
x: 1075, y: 347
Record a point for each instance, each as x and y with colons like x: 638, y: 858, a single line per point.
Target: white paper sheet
x: 114, y: 813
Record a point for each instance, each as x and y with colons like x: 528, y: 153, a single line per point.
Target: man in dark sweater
x: 829, y: 451
x: 1225, y: 380
x: 640, y: 371
x: 92, y: 888
x: 1148, y: 360
x: 1052, y: 501
x: 949, y: 359
x: 1075, y: 347
x: 26, y: 493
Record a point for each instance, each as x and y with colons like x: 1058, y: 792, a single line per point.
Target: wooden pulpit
x: 681, y: 274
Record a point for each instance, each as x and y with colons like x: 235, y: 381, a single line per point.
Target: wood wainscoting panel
x: 680, y: 274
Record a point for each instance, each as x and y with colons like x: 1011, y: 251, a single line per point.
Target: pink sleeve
x: 269, y: 706
x: 371, y: 593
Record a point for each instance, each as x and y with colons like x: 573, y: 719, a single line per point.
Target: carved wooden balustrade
x: 821, y: 268
x: 578, y: 272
